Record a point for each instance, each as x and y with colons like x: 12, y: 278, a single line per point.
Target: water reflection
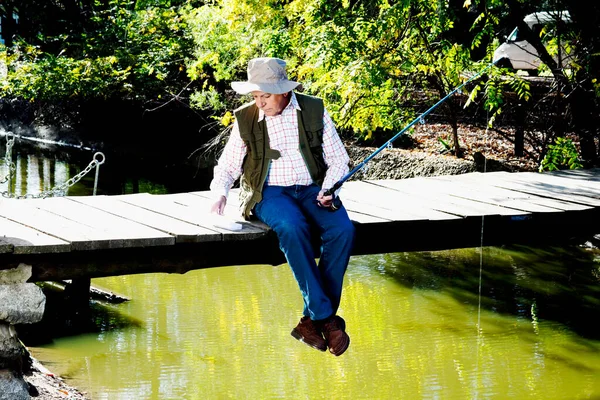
x: 415, y: 321
x: 559, y: 285
x: 39, y: 170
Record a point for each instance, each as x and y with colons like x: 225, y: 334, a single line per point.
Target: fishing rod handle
x: 331, y: 191
x: 336, y: 203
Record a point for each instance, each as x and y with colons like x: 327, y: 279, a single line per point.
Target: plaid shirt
x: 289, y: 169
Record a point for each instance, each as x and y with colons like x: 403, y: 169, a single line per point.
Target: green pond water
x: 419, y: 330
x: 498, y: 323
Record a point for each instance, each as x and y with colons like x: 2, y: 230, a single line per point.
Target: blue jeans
x: 292, y: 212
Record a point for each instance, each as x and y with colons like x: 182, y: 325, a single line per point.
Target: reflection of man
x: 286, y: 148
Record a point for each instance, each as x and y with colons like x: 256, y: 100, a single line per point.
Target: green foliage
x: 53, y: 78
x: 377, y: 63
x: 561, y: 155
x: 136, y: 55
x: 364, y: 58
x: 495, y: 89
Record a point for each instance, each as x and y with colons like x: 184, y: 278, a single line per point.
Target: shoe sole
x: 300, y: 338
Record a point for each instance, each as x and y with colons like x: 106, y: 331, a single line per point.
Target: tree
x: 366, y: 59
x: 580, y: 88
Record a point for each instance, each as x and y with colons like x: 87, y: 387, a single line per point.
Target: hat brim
x: 273, y: 88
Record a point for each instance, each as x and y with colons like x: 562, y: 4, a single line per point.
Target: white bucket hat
x: 267, y: 75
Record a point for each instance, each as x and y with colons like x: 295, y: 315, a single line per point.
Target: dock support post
x: 77, y: 296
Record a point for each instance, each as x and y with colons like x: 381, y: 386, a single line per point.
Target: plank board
x: 401, y: 205
x: 129, y: 233
x: 201, y: 206
x: 590, y: 175
x: 584, y: 187
x: 184, y: 232
x: 439, y: 197
x: 80, y: 236
x: 24, y: 240
x: 512, y: 181
x: 359, y: 213
x: 199, y: 214
x: 487, y: 193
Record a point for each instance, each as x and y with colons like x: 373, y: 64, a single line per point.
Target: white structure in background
x: 517, y: 53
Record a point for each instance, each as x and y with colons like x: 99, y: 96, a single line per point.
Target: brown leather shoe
x: 307, y: 332
x: 334, y: 331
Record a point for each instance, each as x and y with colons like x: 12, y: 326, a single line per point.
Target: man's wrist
x: 218, y: 194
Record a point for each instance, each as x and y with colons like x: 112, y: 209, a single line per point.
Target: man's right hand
x: 219, y: 206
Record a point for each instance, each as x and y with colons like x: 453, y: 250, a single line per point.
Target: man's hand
x: 219, y: 206
x: 324, y: 201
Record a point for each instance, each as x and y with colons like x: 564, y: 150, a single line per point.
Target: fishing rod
x: 421, y: 117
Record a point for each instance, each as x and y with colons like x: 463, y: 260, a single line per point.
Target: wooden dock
x: 93, y: 236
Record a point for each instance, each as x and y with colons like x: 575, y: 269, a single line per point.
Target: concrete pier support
x: 20, y: 303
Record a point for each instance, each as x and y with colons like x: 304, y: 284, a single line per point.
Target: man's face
x: 271, y: 104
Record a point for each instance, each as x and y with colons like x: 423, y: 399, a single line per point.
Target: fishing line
x: 479, y: 330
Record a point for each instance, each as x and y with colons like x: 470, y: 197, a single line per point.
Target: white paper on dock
x: 221, y: 221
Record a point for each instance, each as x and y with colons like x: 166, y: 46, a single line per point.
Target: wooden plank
x: 184, y: 232
x: 20, y: 239
x: 360, y: 218
x: 357, y: 212
x: 132, y: 234
x: 382, y: 214
x: 81, y: 237
x: 548, y: 191
x: 197, y: 213
x: 486, y: 192
x: 592, y: 174
x: 510, y: 181
x: 438, y: 197
x: 580, y: 187
x: 372, y: 211
x: 202, y: 206
x: 405, y: 206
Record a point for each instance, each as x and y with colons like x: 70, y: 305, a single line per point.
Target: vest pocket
x: 255, y: 148
x: 315, y: 138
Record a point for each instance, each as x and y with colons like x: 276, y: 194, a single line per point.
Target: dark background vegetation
x: 150, y: 78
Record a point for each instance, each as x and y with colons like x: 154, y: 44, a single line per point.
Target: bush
x: 561, y: 155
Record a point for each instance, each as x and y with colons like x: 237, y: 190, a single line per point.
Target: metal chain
x: 58, y: 190
x: 8, y: 160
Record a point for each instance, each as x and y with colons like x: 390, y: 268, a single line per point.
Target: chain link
x: 59, y: 190
x: 8, y: 160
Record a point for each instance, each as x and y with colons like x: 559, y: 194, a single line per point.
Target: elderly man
x: 288, y: 153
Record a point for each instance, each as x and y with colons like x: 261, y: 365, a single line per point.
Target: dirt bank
x: 427, y: 155
x: 47, y: 386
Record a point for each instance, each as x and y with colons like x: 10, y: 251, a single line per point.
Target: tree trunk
x: 9, y: 26
x: 520, y: 113
x: 580, y: 93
